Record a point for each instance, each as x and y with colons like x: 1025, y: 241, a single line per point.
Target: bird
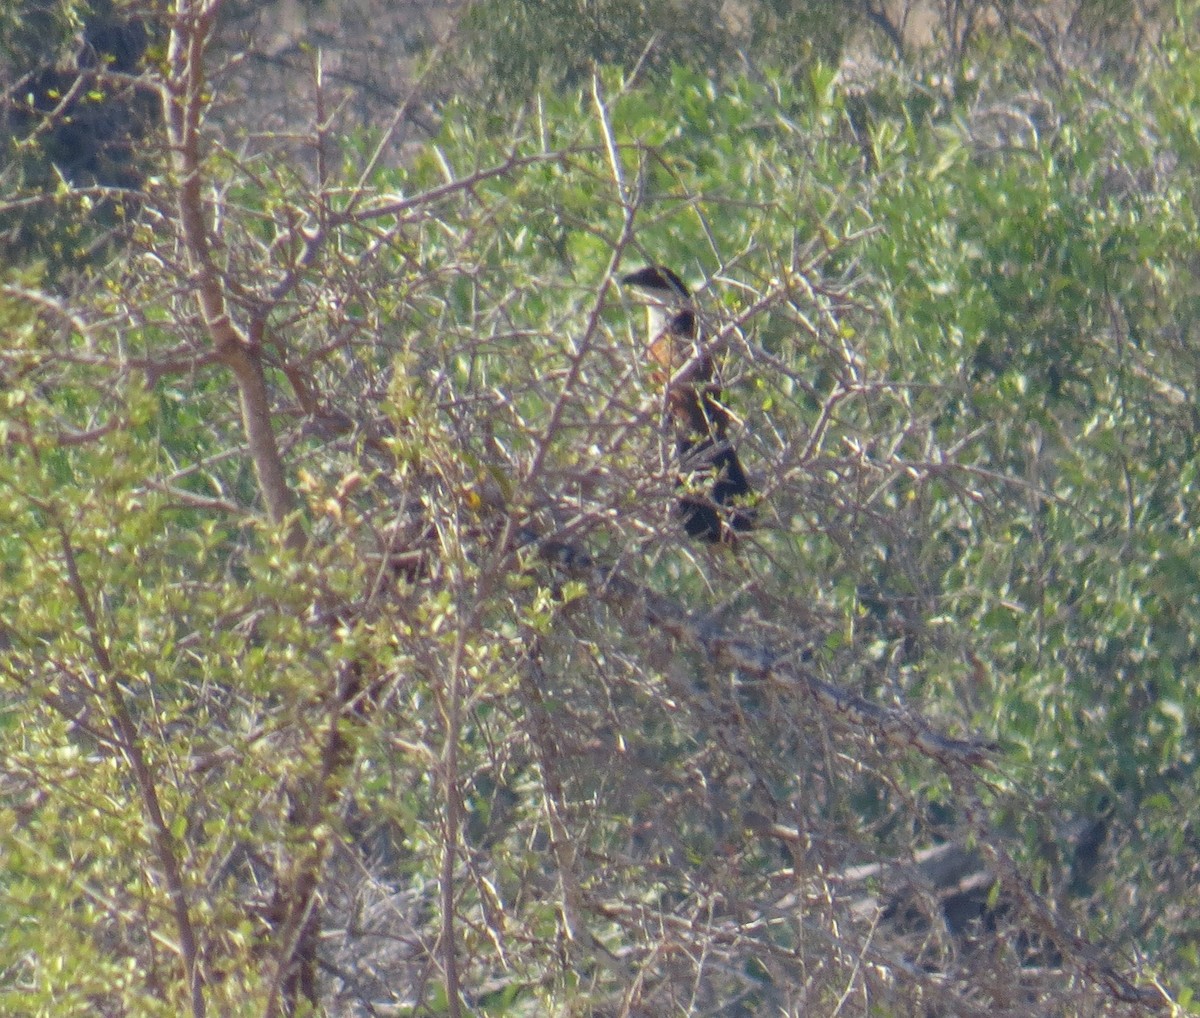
x: 693, y: 400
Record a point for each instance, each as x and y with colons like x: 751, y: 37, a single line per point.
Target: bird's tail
x: 719, y: 517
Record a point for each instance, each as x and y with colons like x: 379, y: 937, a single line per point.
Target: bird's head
x: 670, y: 314
x: 659, y: 283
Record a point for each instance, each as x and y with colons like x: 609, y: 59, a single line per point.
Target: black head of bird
x: 670, y: 318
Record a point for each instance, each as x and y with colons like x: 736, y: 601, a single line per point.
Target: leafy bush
x: 352, y: 633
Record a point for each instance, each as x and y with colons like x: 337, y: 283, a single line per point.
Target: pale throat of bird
x: 658, y: 319
x: 673, y: 336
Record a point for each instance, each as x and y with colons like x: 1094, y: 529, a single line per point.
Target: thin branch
x: 127, y: 733
x: 898, y: 726
x: 184, y: 99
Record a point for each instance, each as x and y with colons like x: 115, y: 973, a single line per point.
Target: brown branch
x: 454, y: 187
x: 1069, y: 944
x: 191, y: 500
x: 19, y: 434
x: 127, y: 735
x: 897, y: 726
x: 184, y: 101
x: 452, y: 711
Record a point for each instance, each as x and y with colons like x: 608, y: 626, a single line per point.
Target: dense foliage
x: 392, y: 682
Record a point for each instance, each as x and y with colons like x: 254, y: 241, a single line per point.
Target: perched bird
x: 693, y: 401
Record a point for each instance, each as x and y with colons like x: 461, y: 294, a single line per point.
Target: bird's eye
x: 684, y: 323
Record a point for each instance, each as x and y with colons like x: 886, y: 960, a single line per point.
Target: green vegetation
x: 351, y: 658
